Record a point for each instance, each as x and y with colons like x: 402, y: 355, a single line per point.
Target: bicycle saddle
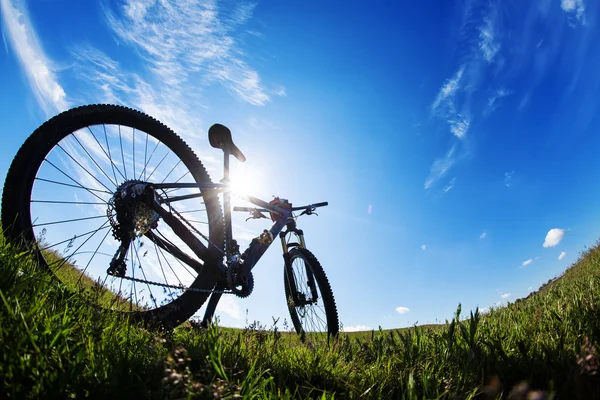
x: 219, y: 137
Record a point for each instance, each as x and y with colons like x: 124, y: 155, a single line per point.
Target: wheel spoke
x: 77, y: 236
x: 74, y: 186
x: 183, y: 264
x: 161, y: 267
x: 191, y: 211
x: 133, y: 141
x: 91, y: 258
x: 80, y: 185
x: 122, y: 155
x: 158, y: 165
x: 69, y: 220
x: 82, y: 167
x: 144, y: 275
x: 73, y: 231
x: 94, y: 161
x: 149, y: 159
x: 171, y: 171
x: 177, y: 181
x: 64, y: 260
x: 145, y: 155
x: 109, y: 155
x: 67, y: 202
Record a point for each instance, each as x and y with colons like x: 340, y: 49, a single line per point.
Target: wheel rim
x: 69, y: 201
x: 312, y: 316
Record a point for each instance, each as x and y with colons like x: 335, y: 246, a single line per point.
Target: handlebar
x: 250, y: 209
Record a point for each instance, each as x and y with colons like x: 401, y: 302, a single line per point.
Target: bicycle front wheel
x: 70, y: 193
x: 309, y: 297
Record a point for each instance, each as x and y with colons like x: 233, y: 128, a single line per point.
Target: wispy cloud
x: 402, y: 310
x: 459, y: 125
x: 483, y: 235
x: 39, y: 70
x: 562, y: 255
x: 423, y: 247
x: 444, y: 102
x: 450, y: 185
x: 454, y: 100
x: 505, y: 295
x: 488, y: 42
x: 356, y: 328
x: 553, y: 237
x: 180, y: 38
x: 186, y: 48
x: 495, y: 99
x: 440, y: 167
x: 508, y: 178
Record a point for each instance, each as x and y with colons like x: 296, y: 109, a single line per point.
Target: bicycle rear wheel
x: 61, y: 197
x: 309, y: 297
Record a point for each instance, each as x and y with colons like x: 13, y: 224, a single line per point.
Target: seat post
x: 227, y: 204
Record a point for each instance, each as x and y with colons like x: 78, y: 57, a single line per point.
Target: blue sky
x: 456, y: 142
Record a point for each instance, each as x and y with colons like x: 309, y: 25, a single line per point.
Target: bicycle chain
x: 181, y: 287
x: 178, y: 287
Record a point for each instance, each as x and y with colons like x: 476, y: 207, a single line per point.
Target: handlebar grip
x: 323, y: 204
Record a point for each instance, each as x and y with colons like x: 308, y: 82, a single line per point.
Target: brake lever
x: 309, y: 211
x: 255, y: 214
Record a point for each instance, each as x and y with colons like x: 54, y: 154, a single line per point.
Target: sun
x: 246, y: 180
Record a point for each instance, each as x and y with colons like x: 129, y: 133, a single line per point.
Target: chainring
x: 236, y: 283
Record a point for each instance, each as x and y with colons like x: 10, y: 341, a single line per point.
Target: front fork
x: 298, y: 298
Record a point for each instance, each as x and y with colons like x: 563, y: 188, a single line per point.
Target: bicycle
x: 161, y: 223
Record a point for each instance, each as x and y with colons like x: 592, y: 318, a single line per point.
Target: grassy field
x: 53, y: 345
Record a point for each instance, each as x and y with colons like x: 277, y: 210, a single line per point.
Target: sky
x: 455, y: 141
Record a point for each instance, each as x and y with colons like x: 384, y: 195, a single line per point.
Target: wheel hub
x: 128, y: 213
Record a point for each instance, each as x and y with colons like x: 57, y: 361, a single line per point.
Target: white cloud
x: 483, y: 235
x: 402, y: 310
x: 189, y: 41
x: 450, y: 185
x: 553, y: 237
x: 562, y: 255
x: 36, y: 65
x: 356, y: 328
x: 447, y: 91
x: 483, y: 310
x: 440, y: 167
x: 527, y: 262
x: 423, y: 247
x: 488, y: 42
x: 574, y: 7
x: 508, y: 178
x: 459, y: 126
x: 505, y: 295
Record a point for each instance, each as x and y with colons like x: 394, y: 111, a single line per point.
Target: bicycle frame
x: 253, y: 253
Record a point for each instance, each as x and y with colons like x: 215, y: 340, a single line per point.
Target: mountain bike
x: 113, y: 202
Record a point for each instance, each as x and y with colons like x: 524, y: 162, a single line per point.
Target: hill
x: 54, y: 345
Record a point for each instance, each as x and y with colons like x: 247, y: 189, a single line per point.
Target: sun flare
x: 246, y: 180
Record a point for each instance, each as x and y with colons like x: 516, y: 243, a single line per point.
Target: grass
x: 54, y: 345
